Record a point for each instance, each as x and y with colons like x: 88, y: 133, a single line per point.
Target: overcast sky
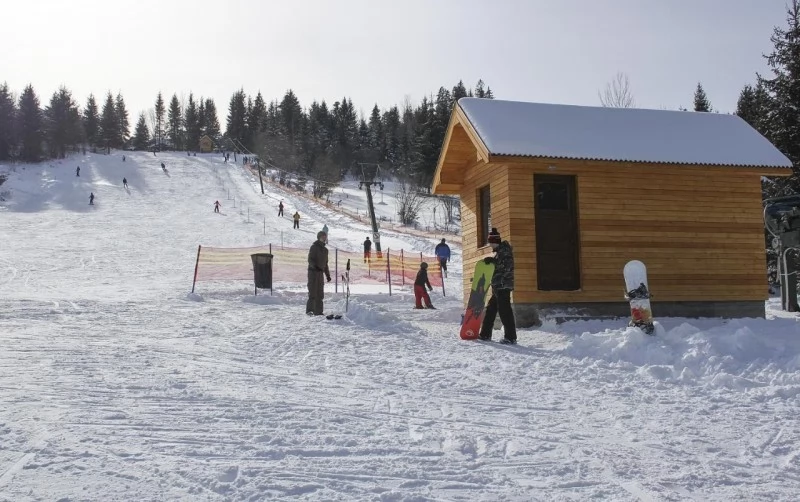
x: 375, y: 51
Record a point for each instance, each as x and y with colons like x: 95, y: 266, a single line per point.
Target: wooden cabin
x: 206, y: 144
x: 578, y: 191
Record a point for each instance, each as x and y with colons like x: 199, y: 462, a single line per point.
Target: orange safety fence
x: 291, y: 265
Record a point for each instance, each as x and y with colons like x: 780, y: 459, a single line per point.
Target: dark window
x: 553, y: 197
x: 485, y: 215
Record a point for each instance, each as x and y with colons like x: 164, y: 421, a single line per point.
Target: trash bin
x: 262, y: 270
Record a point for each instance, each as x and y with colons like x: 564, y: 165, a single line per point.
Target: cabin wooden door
x: 557, y: 250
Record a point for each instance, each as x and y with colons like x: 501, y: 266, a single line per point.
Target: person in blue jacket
x: 443, y: 255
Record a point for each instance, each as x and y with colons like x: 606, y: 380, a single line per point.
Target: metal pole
x: 336, y: 270
x: 196, y: 263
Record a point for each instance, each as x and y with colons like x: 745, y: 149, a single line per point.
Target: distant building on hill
x: 206, y: 144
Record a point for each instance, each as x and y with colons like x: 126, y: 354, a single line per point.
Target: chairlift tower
x: 782, y: 221
x: 367, y: 182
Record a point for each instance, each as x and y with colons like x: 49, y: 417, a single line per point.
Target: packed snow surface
x: 117, y: 383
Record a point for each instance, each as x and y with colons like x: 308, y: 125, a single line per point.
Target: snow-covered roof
x: 618, y: 134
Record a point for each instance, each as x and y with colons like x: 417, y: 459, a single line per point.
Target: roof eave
x: 457, y: 117
x: 771, y: 170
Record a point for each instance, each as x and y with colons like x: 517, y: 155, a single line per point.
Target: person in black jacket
x: 317, y: 267
x: 502, y: 285
x: 367, y: 250
x: 419, y: 287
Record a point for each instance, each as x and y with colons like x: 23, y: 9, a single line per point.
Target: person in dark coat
x: 296, y: 219
x: 502, y: 285
x: 442, y: 252
x: 216, y: 206
x: 419, y: 288
x: 280, y: 208
x: 317, y: 269
x: 125, y: 182
x: 367, y: 250
x: 91, y: 199
x: 78, y: 171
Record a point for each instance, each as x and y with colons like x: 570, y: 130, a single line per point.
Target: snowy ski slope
x: 116, y: 384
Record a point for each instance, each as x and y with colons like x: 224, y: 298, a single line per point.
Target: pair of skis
x: 346, y: 282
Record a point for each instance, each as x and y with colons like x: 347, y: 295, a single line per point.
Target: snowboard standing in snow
x: 638, y: 295
x: 476, y: 305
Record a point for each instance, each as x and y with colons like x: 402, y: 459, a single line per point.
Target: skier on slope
x: 419, y: 288
x: 91, y: 199
x: 163, y: 167
x: 216, y: 206
x: 443, y: 254
x: 125, y: 182
x: 280, y: 208
x: 78, y: 171
x: 296, y: 219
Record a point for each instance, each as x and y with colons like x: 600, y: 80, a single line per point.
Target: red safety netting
x: 291, y: 265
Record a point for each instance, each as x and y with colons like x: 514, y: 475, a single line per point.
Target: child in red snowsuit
x: 419, y: 287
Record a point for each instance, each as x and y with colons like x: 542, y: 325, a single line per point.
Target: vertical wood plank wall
x: 698, y: 230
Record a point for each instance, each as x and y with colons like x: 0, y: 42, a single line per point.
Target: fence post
x: 389, y: 271
x: 272, y: 265
x: 403, y: 266
x: 265, y: 225
x: 441, y: 272
x: 336, y: 270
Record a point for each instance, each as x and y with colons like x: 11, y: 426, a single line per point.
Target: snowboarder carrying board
x: 502, y: 285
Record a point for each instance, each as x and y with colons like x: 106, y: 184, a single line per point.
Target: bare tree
x: 151, y: 115
x: 409, y: 202
x: 617, y: 93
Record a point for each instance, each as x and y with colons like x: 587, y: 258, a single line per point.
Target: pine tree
x: 158, y: 122
x: 109, y: 124
x: 123, y: 129
x: 258, y: 116
x: 391, y: 130
x: 91, y: 122
x: 175, y: 123
x: 377, y: 139
x: 291, y: 115
x: 193, y: 127
x: 753, y: 106
x: 784, y: 87
x: 489, y: 94
x: 701, y: 103
x: 211, y: 121
x: 236, y: 126
x: 8, y: 112
x: 201, y: 116
x: 480, y: 92
x: 459, y: 91
x: 62, y: 121
x: 141, y: 136
x: 30, y: 126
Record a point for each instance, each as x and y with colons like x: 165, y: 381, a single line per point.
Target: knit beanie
x: 494, y: 236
